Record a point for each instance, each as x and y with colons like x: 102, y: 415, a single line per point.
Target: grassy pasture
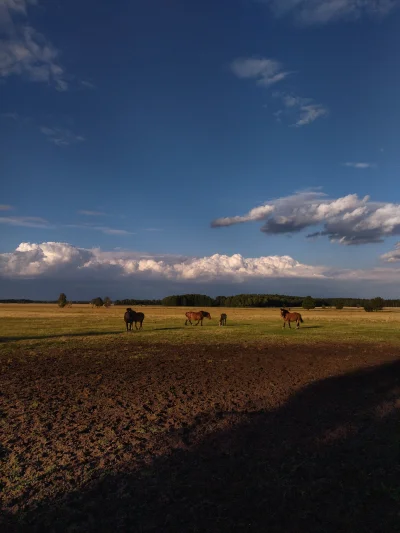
x: 47, y: 324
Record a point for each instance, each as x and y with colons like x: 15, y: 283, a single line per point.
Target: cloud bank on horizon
x: 348, y: 220
x: 65, y: 261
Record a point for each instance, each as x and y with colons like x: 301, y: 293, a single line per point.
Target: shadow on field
x: 327, y: 460
x: 59, y: 335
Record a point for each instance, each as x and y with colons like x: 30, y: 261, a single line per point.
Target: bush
x: 339, y: 305
x: 368, y: 307
x: 62, y: 300
x: 97, y: 302
x: 377, y: 303
x: 308, y: 303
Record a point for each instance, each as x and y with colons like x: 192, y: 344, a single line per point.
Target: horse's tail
x: 301, y: 320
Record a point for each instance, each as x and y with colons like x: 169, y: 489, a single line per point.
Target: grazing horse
x: 196, y: 315
x: 291, y: 317
x: 222, y: 320
x: 131, y: 317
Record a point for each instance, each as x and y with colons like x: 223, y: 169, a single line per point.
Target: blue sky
x: 129, y: 128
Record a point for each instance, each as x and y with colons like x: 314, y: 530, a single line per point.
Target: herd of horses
x: 131, y: 317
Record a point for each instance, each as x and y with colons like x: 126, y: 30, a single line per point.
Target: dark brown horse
x: 196, y: 315
x: 291, y: 317
x: 222, y: 320
x: 131, y: 317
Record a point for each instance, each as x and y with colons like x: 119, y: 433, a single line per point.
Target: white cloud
x: 57, y: 260
x: 39, y: 259
x: 393, y: 256
x: 265, y: 71
x: 359, y: 165
x: 27, y: 222
x: 309, y: 113
x: 24, y: 51
x: 302, y: 110
x: 4, y: 207
x: 347, y: 220
x: 61, y: 136
x: 310, y: 12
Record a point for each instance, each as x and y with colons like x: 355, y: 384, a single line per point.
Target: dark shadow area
x: 311, y: 327
x: 82, y: 334
x: 326, y: 461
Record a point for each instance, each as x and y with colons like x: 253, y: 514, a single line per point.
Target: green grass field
x: 47, y: 324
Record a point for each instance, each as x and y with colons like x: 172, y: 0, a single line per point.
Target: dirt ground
x: 198, y: 438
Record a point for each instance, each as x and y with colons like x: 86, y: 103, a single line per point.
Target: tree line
x: 239, y: 300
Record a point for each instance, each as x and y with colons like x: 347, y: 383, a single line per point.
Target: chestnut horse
x: 131, y: 316
x: 291, y: 317
x: 196, y: 315
x: 222, y: 320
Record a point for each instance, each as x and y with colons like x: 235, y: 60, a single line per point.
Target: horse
x: 222, y: 320
x: 291, y: 317
x: 131, y: 316
x: 196, y: 315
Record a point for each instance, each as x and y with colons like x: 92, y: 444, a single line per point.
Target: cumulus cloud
x: 347, y: 220
x: 61, y: 136
x: 310, y: 12
x: 53, y: 257
x: 76, y: 267
x: 265, y: 71
x: 24, y: 51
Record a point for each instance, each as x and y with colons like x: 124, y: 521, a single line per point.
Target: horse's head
x: 206, y: 314
x: 284, y: 312
x: 129, y: 309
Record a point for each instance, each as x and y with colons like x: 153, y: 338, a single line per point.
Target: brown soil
x: 198, y: 438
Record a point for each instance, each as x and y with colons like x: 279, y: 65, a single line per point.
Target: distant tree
x: 62, y: 300
x: 339, y: 305
x: 107, y: 301
x: 377, y: 303
x: 308, y: 303
x: 97, y: 302
x: 368, y: 307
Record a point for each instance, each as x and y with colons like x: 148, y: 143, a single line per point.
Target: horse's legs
x: 290, y: 327
x: 284, y: 325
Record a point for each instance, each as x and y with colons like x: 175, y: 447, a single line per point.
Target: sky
x: 151, y: 148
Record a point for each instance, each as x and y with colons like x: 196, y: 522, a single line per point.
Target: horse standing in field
x: 222, y: 320
x: 131, y: 317
x: 291, y: 317
x: 196, y: 315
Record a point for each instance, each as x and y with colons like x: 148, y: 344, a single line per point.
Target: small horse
x: 222, y: 320
x: 131, y: 316
x: 196, y: 315
x: 291, y: 317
